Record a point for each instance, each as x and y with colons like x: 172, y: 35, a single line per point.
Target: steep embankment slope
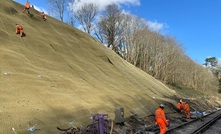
x: 57, y: 74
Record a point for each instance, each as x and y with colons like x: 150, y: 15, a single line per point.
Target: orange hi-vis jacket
x: 18, y: 27
x: 161, y: 120
x: 182, y: 106
x: 160, y: 116
x: 43, y: 15
x: 27, y: 5
x: 179, y: 105
x: 187, y: 110
x: 187, y: 107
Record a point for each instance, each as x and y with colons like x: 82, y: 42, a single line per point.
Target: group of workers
x: 160, y: 117
x: 18, y: 28
x: 184, y: 108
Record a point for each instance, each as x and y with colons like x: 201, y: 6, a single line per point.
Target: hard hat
x: 16, y: 23
x: 180, y: 100
x: 161, y: 105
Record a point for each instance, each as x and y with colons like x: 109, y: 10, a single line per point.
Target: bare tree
x: 59, y: 6
x: 110, y: 27
x: 70, y: 18
x: 85, y: 15
x: 135, y: 36
x: 71, y: 21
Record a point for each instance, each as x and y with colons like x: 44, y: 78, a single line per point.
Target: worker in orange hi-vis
x: 161, y: 119
x: 182, y: 107
x: 27, y: 7
x: 179, y: 105
x: 187, y: 110
x: 19, y: 30
x: 43, y: 16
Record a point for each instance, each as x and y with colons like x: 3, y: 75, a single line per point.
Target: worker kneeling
x: 19, y: 30
x: 161, y: 119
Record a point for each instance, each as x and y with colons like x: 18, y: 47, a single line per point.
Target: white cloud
x: 153, y: 25
x: 102, y: 3
x: 40, y: 9
x: 219, y: 61
x: 156, y: 26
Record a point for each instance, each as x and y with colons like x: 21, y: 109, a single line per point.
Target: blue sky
x: 196, y: 24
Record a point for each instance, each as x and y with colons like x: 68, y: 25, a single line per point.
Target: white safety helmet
x: 161, y: 105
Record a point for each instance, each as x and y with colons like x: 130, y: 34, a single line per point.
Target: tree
x: 110, y: 28
x: 70, y: 18
x: 212, y: 64
x: 59, y: 7
x: 135, y: 38
x: 85, y: 15
x: 71, y: 21
x: 212, y: 61
x: 161, y: 56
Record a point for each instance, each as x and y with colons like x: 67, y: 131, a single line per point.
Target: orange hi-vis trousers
x: 162, y: 126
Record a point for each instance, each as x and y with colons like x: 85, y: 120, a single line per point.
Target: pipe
x: 101, y: 124
x: 112, y: 126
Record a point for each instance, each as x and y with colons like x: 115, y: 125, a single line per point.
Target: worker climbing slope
x: 43, y: 16
x: 27, y: 7
x: 19, y: 30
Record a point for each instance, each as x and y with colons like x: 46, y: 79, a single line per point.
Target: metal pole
x: 101, y: 124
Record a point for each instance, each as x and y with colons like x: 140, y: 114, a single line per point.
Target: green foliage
x: 212, y: 61
x: 185, y: 91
